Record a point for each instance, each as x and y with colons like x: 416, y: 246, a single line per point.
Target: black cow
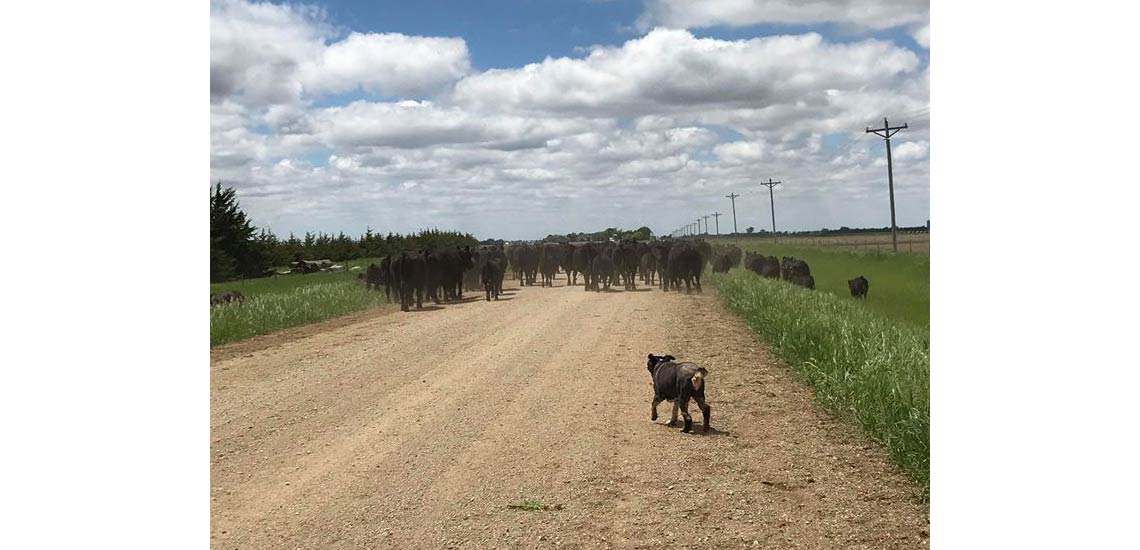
x: 797, y: 272
x: 648, y: 268
x: 549, y: 258
x: 528, y: 262
x: 678, y: 383
x: 583, y: 262
x: 568, y: 262
x: 765, y: 266
x: 446, y: 269
x: 626, y: 261
x: 685, y: 265
x: 409, y: 277
x: 602, y: 271
x: 705, y: 250
x: 660, y: 252
x: 376, y: 276
x: 492, y: 276
x: 722, y: 263
x: 227, y: 297
x: 859, y: 286
x: 513, y: 260
x: 734, y: 255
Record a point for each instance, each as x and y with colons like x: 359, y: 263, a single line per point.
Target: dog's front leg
x: 673, y: 420
x: 656, y: 402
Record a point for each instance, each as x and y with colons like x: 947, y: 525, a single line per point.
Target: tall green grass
x: 276, y: 303
x: 864, y: 365
x: 900, y: 283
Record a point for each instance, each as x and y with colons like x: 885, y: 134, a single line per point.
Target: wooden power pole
x: 771, y: 202
x: 733, y: 197
x: 716, y: 216
x: 887, y: 132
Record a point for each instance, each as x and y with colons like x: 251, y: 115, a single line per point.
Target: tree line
x: 240, y: 250
x: 641, y: 234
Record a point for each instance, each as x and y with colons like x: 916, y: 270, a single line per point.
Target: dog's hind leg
x: 676, y: 407
x: 706, y: 410
x: 685, y: 414
x: 654, y: 409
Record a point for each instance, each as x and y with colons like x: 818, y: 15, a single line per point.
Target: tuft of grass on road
x: 864, y: 366
x: 533, y: 506
x: 277, y: 303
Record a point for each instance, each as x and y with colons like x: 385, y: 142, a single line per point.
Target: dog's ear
x: 668, y: 358
x: 652, y: 357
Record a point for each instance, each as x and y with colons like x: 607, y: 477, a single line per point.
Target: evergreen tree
x: 234, y: 248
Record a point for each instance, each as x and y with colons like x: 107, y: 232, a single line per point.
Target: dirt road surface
x: 419, y: 430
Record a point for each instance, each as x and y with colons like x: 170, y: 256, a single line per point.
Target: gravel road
x: 419, y: 430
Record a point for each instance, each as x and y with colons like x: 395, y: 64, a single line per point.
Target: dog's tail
x: 699, y: 378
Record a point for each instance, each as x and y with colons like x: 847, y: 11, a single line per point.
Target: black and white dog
x: 678, y: 382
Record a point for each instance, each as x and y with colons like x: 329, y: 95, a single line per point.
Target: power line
x: 888, y: 131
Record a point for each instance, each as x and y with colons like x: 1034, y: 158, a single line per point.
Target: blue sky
x: 334, y: 116
x: 516, y: 32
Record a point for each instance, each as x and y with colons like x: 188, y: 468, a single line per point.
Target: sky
x: 519, y: 119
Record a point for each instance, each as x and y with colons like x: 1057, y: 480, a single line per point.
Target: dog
x: 679, y: 382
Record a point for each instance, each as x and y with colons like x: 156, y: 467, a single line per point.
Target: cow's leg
x: 653, y: 409
x: 685, y: 414
x: 676, y: 407
x: 706, y: 411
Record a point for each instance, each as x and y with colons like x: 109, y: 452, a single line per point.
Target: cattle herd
x: 790, y: 269
x: 442, y: 274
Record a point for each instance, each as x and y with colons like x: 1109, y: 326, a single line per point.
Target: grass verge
x: 279, y: 303
x: 864, y: 366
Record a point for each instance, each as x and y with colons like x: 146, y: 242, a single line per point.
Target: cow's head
x: 465, y: 256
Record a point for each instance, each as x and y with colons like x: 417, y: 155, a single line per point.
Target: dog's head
x: 654, y: 360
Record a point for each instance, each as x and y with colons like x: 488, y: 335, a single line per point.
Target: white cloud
x: 869, y: 14
x: 388, y: 64
x: 910, y: 150
x: 412, y: 124
x: 267, y: 54
x: 921, y: 35
x: 671, y: 70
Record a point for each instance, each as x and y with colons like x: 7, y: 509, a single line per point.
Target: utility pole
x: 716, y: 216
x: 733, y: 197
x: 887, y: 132
x: 706, y: 217
x: 698, y: 222
x: 771, y: 202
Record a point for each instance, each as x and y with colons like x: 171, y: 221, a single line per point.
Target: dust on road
x: 418, y: 430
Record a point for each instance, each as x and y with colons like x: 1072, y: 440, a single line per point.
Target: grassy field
x: 912, y: 243
x: 276, y: 303
x: 899, y: 283
x: 867, y: 360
